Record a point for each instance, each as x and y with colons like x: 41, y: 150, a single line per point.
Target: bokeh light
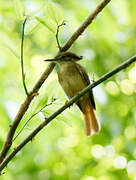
x: 61, y: 151
x: 131, y: 167
x: 127, y: 87
x: 132, y: 74
x: 112, y: 88
x: 120, y: 162
x: 130, y: 132
x: 88, y: 178
x: 109, y: 151
x: 98, y: 151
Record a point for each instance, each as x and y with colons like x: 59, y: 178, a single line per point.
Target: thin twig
x: 19, y: 132
x: 23, y: 108
x: 57, y: 34
x: 22, y: 57
x: 65, y: 106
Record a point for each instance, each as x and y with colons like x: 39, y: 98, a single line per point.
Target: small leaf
x: 44, y: 98
x: 47, y: 24
x: 13, y: 51
x: 55, y: 12
x: 32, y: 26
x: 19, y: 9
x: 63, y: 117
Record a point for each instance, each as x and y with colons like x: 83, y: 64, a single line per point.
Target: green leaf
x: 53, y: 108
x: 55, y: 12
x: 46, y: 23
x: 53, y: 17
x: 13, y: 51
x: 44, y: 98
x: 32, y: 26
x: 19, y: 9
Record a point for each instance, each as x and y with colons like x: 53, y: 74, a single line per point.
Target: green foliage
x: 19, y: 9
x: 61, y: 151
x: 55, y: 12
x: 46, y: 23
x: 53, y: 16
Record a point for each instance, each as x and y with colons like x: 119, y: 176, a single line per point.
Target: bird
x: 74, y: 78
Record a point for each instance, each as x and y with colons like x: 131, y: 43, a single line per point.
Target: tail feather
x: 91, y: 123
x: 87, y: 124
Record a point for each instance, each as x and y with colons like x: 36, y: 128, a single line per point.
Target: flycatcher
x: 73, y: 78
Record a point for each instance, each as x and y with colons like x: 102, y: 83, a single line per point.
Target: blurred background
x: 61, y: 151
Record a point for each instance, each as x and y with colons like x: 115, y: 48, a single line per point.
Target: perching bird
x: 73, y: 78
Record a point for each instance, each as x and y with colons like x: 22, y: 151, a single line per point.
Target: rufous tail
x: 91, y: 123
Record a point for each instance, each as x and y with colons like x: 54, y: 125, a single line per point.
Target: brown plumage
x: 73, y: 78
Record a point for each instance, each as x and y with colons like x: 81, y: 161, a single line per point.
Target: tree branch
x: 65, y: 106
x: 22, y: 53
x: 22, y: 110
x: 48, y: 70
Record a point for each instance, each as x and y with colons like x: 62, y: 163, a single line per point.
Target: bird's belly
x: 71, y: 83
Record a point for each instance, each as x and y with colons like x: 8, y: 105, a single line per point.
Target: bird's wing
x: 84, y: 74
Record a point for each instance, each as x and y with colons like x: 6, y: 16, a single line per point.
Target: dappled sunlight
x: 104, y: 177
x: 123, y: 109
x: 3, y: 133
x: 88, y: 54
x: 61, y: 150
x: 120, y: 162
x: 132, y: 74
x: 59, y: 168
x: 130, y: 132
x: 39, y: 159
x: 67, y: 142
x: 120, y: 11
x: 37, y: 63
x: 98, y: 151
x: 88, y: 178
x: 120, y: 37
x: 109, y: 151
x: 127, y: 87
x: 31, y: 6
x: 43, y: 174
x: 106, y: 154
x: 118, y: 143
x: 112, y: 88
x: 100, y: 95
x: 12, y: 108
x: 131, y: 168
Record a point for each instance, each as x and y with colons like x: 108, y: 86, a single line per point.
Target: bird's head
x: 65, y: 57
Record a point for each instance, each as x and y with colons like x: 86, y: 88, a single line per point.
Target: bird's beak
x: 50, y: 60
